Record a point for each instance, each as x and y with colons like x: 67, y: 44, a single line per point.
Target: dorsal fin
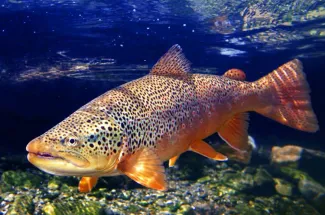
x: 235, y: 74
x: 172, y: 63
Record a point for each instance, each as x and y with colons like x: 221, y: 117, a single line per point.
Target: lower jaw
x: 56, y: 166
x: 51, y: 165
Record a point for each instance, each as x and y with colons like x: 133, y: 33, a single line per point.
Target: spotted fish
x: 132, y: 129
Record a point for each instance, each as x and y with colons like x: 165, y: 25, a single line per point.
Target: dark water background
x: 133, y: 35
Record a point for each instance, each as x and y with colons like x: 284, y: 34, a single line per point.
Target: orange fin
x: 172, y: 63
x: 86, y: 184
x: 206, y: 150
x: 235, y: 74
x: 146, y: 168
x: 285, y: 97
x: 234, y: 132
x: 173, y: 160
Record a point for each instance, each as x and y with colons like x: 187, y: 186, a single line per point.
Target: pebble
x: 160, y: 203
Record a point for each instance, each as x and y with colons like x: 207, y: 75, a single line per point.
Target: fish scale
x: 134, y: 128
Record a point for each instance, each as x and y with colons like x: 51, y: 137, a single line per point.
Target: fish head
x: 81, y: 145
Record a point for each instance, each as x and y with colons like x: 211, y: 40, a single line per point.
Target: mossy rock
x: 262, y: 177
x: 22, y: 204
x: 20, y: 179
x: 285, y: 206
x: 53, y: 184
x: 246, y: 209
x: 238, y: 181
x: 76, y: 207
x: 314, y: 193
x: 275, y: 205
x: 132, y: 208
x: 185, y: 210
x: 293, y: 174
x: 283, y: 187
x: 263, y: 183
x: 204, y: 180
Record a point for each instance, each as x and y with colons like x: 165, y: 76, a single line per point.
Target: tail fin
x: 285, y: 94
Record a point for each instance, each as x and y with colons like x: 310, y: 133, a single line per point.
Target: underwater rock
x: 185, y: 210
x: 53, y: 184
x: 76, y: 207
x: 283, y: 187
x: 22, y: 204
x: 258, y: 182
x: 292, y: 154
x: 301, y: 158
x: 204, y: 180
x: 286, y: 155
x: 262, y: 177
x: 20, y: 179
x: 238, y: 181
x: 291, y: 174
x: 313, y: 192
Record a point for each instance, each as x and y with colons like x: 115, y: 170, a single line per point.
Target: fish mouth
x: 44, y: 155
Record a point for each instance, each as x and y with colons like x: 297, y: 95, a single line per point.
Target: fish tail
x: 284, y: 95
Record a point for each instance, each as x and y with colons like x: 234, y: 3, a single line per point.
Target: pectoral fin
x: 86, y: 184
x: 206, y: 150
x: 145, y: 168
x: 173, y: 160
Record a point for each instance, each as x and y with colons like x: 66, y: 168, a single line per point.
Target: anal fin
x: 173, y: 160
x: 145, y: 167
x: 86, y: 184
x: 206, y: 150
x: 234, y: 132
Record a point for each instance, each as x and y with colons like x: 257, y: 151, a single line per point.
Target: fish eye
x: 72, y: 141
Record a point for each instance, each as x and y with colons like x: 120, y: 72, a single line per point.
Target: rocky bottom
x: 196, y: 186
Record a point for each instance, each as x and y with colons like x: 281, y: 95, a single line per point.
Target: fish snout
x: 38, y: 146
x: 34, y: 145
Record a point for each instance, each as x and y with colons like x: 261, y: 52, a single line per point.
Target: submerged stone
x: 262, y: 177
x: 292, y: 173
x: 283, y: 187
x: 260, y: 183
x: 204, y: 180
x: 22, y: 204
x: 185, y: 210
x: 21, y: 179
x: 53, y: 184
x: 288, y: 155
x: 76, y: 207
x: 313, y: 192
x: 300, y: 158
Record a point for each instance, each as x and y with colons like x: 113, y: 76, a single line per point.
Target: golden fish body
x: 133, y: 128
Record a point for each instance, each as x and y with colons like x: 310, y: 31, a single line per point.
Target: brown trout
x: 134, y: 128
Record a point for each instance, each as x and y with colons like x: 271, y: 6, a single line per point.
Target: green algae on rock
x: 76, y: 207
x: 204, y: 180
x: 283, y: 187
x: 20, y: 179
x: 22, y: 204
